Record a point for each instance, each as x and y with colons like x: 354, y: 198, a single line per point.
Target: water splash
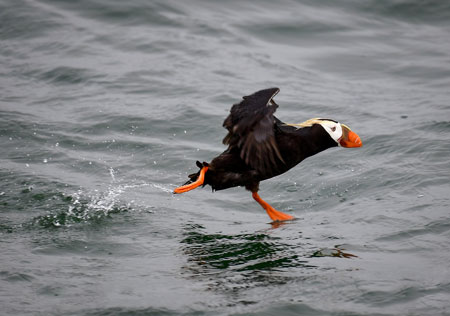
x: 94, y: 206
x: 162, y: 188
x: 88, y: 207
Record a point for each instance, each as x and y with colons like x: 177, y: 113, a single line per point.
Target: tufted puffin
x: 260, y: 147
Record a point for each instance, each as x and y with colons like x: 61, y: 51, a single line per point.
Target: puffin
x: 260, y: 147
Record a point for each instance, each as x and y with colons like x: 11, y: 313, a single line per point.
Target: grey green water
x: 106, y: 105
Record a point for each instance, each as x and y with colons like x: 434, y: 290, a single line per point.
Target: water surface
x: 106, y: 105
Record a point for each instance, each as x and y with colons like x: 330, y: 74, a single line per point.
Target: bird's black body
x: 229, y: 169
x: 260, y: 146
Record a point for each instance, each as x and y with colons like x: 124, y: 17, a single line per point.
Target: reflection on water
x: 333, y: 252
x: 242, y: 252
x: 278, y: 224
x: 230, y: 263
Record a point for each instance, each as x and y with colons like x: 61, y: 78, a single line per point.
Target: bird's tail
x: 195, y: 179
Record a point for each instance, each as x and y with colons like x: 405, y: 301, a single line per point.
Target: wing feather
x: 250, y: 126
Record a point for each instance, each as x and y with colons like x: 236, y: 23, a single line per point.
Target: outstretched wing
x: 250, y: 127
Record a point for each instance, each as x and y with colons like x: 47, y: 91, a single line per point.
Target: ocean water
x: 106, y: 105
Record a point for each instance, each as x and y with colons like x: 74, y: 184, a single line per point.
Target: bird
x: 260, y: 147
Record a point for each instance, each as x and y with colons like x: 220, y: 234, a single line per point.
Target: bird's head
x: 340, y: 133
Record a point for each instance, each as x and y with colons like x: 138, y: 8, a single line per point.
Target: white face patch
x: 333, y: 128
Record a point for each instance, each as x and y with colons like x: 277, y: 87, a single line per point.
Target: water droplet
x: 185, y: 132
x: 57, y: 144
x: 27, y: 165
x: 45, y: 160
x: 111, y: 172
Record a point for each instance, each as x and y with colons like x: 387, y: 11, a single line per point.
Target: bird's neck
x: 301, y: 143
x: 316, y: 140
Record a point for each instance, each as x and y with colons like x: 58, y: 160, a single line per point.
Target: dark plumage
x: 260, y: 147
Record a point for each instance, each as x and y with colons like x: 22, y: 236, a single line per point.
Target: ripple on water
x: 16, y: 277
x: 65, y: 75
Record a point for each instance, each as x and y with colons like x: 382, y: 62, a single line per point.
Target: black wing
x: 250, y: 127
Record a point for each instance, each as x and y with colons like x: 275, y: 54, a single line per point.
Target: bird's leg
x: 273, y: 213
x: 193, y: 185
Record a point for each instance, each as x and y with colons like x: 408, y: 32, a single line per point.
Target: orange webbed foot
x: 275, y: 215
x: 188, y: 187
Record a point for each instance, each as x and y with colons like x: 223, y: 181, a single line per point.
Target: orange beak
x: 349, y: 138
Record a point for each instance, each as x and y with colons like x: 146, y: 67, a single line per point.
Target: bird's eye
x: 333, y: 129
